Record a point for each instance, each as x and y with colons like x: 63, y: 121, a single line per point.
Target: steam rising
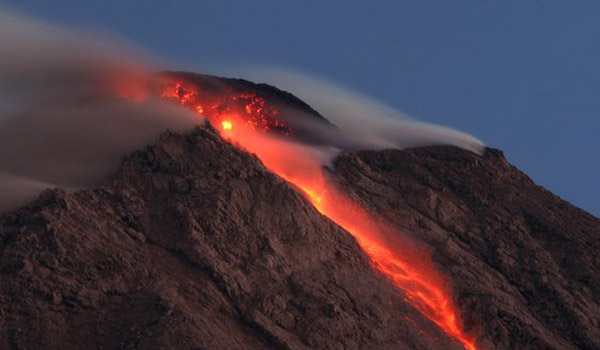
x: 63, y: 122
x: 364, y: 123
x: 68, y: 112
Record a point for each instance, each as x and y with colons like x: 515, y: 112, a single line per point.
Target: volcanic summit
x: 249, y: 232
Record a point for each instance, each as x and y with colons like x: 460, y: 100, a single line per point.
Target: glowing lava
x: 251, y: 110
x: 227, y: 125
x: 405, y: 264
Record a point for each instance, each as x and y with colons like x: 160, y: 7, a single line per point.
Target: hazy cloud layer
x: 364, y: 123
x: 63, y: 119
x: 68, y: 112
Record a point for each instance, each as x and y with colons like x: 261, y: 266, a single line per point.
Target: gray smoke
x: 64, y: 120
x: 364, y: 123
x: 68, y: 112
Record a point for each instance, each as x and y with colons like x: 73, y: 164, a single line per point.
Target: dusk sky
x: 522, y: 76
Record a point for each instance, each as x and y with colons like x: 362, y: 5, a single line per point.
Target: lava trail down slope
x: 245, y: 119
x: 193, y: 244
x: 526, y: 263
x: 235, y: 236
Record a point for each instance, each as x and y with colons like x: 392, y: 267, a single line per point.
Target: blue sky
x: 523, y: 76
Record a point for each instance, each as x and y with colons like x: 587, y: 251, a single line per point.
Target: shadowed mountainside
x: 193, y: 245
x: 525, y: 264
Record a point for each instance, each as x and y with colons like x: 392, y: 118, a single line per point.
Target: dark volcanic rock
x: 525, y: 264
x: 194, y: 245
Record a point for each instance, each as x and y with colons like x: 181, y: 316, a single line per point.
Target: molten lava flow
x: 253, y: 110
x: 400, y: 261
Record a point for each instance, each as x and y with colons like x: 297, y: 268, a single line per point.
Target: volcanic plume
x: 70, y: 108
x: 79, y: 98
x: 362, y: 122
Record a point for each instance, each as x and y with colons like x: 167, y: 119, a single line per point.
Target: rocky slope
x: 193, y: 245
x: 525, y: 264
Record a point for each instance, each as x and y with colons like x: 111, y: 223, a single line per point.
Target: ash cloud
x: 363, y: 122
x: 64, y: 118
x: 68, y: 112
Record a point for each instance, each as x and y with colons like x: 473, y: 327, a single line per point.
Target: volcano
x: 234, y: 237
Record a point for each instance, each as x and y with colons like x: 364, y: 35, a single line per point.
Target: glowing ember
x: 408, y: 268
x: 227, y: 125
x: 253, y: 110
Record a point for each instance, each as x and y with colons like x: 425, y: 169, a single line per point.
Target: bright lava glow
x: 227, y: 125
x: 403, y: 263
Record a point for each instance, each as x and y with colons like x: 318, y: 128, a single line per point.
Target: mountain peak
x: 195, y: 243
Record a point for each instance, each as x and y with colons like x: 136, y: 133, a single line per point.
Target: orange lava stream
x: 415, y: 275
x: 406, y: 265
x: 423, y: 290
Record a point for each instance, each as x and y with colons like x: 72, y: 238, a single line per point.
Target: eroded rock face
x: 193, y: 245
x: 524, y: 264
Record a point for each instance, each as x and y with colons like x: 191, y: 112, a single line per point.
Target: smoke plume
x: 72, y: 104
x: 67, y: 108
x: 363, y: 122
